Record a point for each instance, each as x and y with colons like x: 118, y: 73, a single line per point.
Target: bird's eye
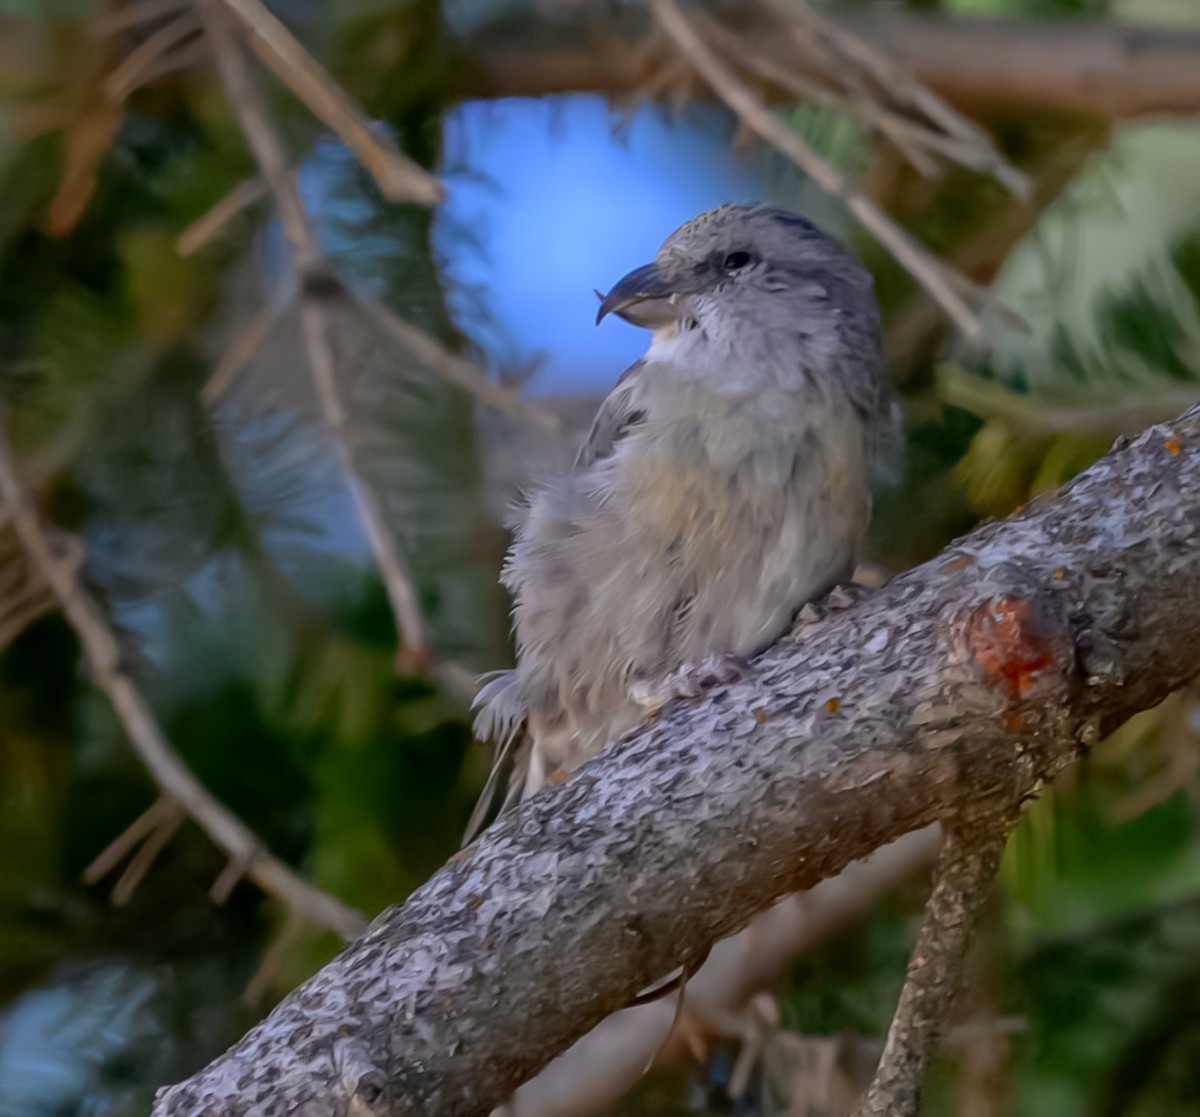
x: 736, y: 260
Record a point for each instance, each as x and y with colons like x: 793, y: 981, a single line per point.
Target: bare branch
x: 1102, y: 68
x: 1036, y: 413
x: 964, y: 875
x: 24, y: 595
x: 173, y: 778
x: 140, y: 64
x: 239, y: 354
x: 957, y: 689
x: 413, y: 654
x: 208, y: 226
x: 268, y: 151
x: 945, y: 286
x: 887, y: 96
x: 130, y: 838
x: 130, y: 15
x: 427, y: 351
x: 147, y: 853
x: 397, y: 176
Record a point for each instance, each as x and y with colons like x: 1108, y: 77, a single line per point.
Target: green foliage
x: 1045, y: 420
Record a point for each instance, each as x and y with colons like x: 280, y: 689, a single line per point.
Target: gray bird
x: 725, y: 482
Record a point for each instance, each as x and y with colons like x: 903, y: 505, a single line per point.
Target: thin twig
x: 962, y: 879
x: 211, y: 223
x: 24, y: 595
x: 121, y: 19
x: 426, y: 350
x: 926, y: 268
x: 226, y: 881
x: 173, y: 778
x: 20, y: 615
x: 280, y: 949
x: 412, y: 654
x: 398, y: 177
x: 130, y: 838
x: 910, y: 139
x: 239, y: 354
x: 139, y: 865
x: 864, y: 81
x: 269, y: 153
x: 135, y: 66
x: 896, y: 83
x: 190, y: 53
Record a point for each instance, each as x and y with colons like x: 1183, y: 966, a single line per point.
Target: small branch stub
x: 962, y: 879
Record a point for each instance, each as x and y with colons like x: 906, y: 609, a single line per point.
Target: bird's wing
x: 620, y: 412
x: 502, y: 717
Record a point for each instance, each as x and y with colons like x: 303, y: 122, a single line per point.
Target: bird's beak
x: 644, y: 298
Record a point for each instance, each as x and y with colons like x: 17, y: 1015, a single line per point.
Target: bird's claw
x: 689, y: 681
x: 842, y: 596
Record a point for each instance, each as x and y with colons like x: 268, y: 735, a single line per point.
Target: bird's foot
x: 689, y: 681
x: 842, y: 596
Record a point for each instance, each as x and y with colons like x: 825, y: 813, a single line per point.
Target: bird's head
x: 755, y: 263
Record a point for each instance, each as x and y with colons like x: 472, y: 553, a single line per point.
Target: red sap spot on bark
x: 1003, y: 638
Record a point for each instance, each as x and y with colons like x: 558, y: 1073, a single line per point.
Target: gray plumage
x: 725, y: 482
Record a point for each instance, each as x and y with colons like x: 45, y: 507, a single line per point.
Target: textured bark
x: 949, y: 694
x: 1099, y: 68
x: 964, y: 875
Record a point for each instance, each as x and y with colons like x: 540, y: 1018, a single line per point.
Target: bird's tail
x: 501, y: 719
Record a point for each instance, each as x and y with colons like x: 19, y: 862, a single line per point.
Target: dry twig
x: 398, y: 177
x: 24, y: 595
x: 832, y: 66
x: 209, y: 225
x: 124, y: 18
x: 239, y: 354
x: 943, y: 284
x: 268, y: 152
x: 426, y: 350
x: 145, y: 61
x: 173, y: 778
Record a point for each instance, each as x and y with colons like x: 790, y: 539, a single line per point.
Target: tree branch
x: 965, y: 873
x: 268, y: 151
x: 1116, y: 71
x: 315, y: 284
x: 399, y: 179
x: 957, y: 689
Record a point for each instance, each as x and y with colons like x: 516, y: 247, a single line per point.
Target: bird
x: 725, y: 483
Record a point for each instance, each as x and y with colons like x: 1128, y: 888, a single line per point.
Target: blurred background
x: 246, y: 459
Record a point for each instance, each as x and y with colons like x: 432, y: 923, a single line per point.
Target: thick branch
x: 1103, y: 68
x: 953, y: 691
